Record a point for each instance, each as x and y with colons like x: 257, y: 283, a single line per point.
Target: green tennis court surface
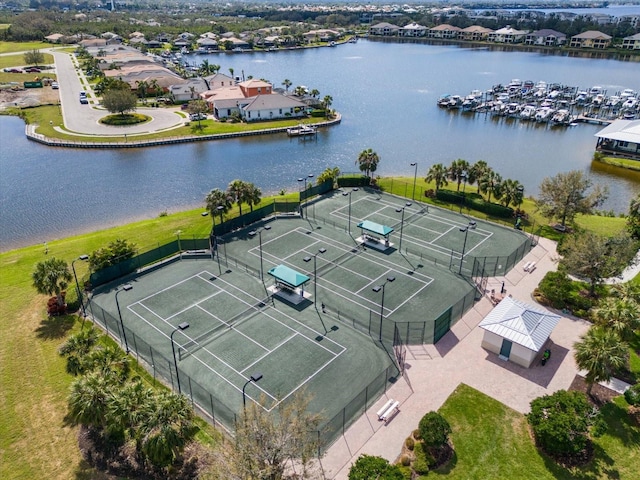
x: 338, y: 340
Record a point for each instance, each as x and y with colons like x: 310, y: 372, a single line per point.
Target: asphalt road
x: 84, y: 119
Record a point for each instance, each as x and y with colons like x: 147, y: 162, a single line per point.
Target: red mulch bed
x: 599, y: 394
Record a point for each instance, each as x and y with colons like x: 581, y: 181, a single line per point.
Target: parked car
x: 83, y: 95
x: 32, y: 70
x: 13, y: 70
x: 55, y: 85
x: 197, y: 116
x: 84, y: 100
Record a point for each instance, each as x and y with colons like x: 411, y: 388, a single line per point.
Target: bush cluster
x: 127, y: 119
x: 478, y: 204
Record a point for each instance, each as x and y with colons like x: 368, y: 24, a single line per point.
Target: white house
x: 188, y: 91
x: 413, y: 30
x: 632, y: 42
x: 507, y: 34
x: 385, y: 29
x: 272, y: 106
x: 621, y: 137
x: 517, y: 331
x: 545, y: 37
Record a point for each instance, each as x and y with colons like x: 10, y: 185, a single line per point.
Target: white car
x: 197, y: 116
x: 55, y: 85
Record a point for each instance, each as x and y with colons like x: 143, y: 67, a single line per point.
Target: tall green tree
x: 34, y: 57
x: 633, y: 217
x: 369, y: 467
x: 326, y: 103
x: 198, y: 107
x: 52, y: 277
x: 218, y: 202
x: 476, y: 172
x: 622, y: 315
x: 76, y: 348
x: 253, y: 196
x: 458, y: 171
x: 594, y: 257
x: 368, y: 161
x: 438, y: 174
x: 565, y: 195
x: 237, y: 190
x: 143, y: 89
x: 119, y: 101
x: 89, y: 400
x: 329, y: 174
x: 287, y: 83
x: 511, y: 192
x: 600, y: 352
x: 490, y: 183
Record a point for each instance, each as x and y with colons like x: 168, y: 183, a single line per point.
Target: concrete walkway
x: 434, y: 372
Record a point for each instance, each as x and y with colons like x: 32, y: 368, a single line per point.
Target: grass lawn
x: 18, y: 61
x: 8, y: 47
x: 622, y: 163
x: 493, y: 441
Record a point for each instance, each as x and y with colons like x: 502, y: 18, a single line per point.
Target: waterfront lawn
x: 9, y: 47
x: 493, y: 441
x: 622, y: 163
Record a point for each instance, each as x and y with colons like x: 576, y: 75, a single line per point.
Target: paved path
x: 434, y: 372
x: 84, y: 119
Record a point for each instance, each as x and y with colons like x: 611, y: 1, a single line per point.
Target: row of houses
x: 549, y: 38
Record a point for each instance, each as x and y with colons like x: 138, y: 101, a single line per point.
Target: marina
x: 548, y: 103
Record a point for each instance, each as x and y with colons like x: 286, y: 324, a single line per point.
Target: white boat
x: 455, y: 101
x: 561, y: 117
x: 629, y: 104
x: 301, y: 130
x: 513, y: 109
x: 595, y: 90
x: 443, y: 101
x: 598, y: 100
x: 612, y: 101
x: 543, y: 114
x: 528, y: 112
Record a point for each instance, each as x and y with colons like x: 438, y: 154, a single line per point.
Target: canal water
x: 387, y: 95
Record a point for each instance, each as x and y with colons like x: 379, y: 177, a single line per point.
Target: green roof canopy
x: 288, y: 275
x: 375, y: 228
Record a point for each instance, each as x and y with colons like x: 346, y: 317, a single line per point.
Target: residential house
x: 255, y: 87
x: 475, y: 33
x: 237, y: 44
x: 444, y: 31
x: 188, y: 91
x: 413, y: 30
x: 384, y: 29
x: 206, y: 45
x: 591, y: 39
x: 54, y: 38
x: 546, y: 38
x: 219, y: 80
x: 322, y: 35
x: 272, y: 106
x: 622, y: 137
x: 507, y: 34
x: 632, y: 42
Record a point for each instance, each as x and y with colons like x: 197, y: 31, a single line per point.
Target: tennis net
x: 209, y: 336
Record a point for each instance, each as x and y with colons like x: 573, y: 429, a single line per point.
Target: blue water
x: 387, y: 95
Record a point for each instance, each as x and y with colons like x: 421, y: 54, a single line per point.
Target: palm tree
x: 205, y: 68
x: 215, y: 68
x: 329, y: 174
x: 52, y: 276
x: 287, y: 83
x: 143, y: 88
x: 253, y: 195
x: 314, y: 93
x: 231, y: 70
x: 600, y: 352
x: 368, y: 161
x: 326, y: 103
x: 129, y: 408
x: 627, y: 291
x: 169, y: 427
x: 215, y: 199
x: 76, y: 348
x: 237, y: 190
x: 300, y: 91
x: 458, y: 170
x: 622, y: 315
x: 437, y: 173
x: 89, y: 400
x: 476, y: 172
x: 110, y: 362
x: 511, y: 192
x: 490, y: 184
x: 155, y: 86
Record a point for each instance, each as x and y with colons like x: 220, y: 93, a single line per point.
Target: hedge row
x: 477, y: 204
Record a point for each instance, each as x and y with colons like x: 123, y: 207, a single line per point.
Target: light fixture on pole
x: 415, y: 176
x: 344, y: 194
x: 398, y: 210
x: 321, y: 250
x: 304, y: 179
x: 376, y: 289
x: 258, y: 232
x: 126, y: 287
x: 177, y: 234
x: 78, y: 291
x: 182, y: 327
x: 254, y: 378
x: 471, y: 225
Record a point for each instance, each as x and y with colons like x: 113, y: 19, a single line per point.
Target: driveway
x: 84, y: 119
x: 434, y: 372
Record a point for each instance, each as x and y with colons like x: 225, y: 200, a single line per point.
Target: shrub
x: 561, y: 422
x: 416, y: 434
x: 410, y: 443
x: 368, y: 467
x: 556, y: 288
x: 115, y: 252
x: 406, y: 472
x: 434, y: 429
x: 127, y: 119
x: 632, y: 395
x: 421, y: 463
x: 405, y: 460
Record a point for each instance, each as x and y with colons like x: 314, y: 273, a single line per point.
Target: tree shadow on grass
x: 600, y: 466
x: 621, y: 425
x: 52, y: 328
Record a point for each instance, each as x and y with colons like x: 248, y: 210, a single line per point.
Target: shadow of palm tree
x: 52, y: 328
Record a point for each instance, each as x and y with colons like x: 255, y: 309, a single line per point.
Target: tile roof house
x: 272, y: 106
x: 507, y: 34
x: 188, y: 91
x: 384, y: 29
x: 517, y: 331
x: 591, y: 39
x: 444, y: 31
x: 632, y: 42
x: 546, y: 38
x: 218, y: 80
x: 474, y: 33
x: 413, y: 30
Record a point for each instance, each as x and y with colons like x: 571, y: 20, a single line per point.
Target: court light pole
x: 181, y: 327
x: 415, y: 176
x: 321, y: 250
x: 126, y: 287
x: 464, y: 191
x: 464, y: 245
x: 258, y: 232
x: 256, y: 377
x: 376, y: 289
x: 84, y: 258
x: 401, y: 209
x: 344, y: 194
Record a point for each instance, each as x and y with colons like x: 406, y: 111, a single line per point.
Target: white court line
x: 230, y: 327
x: 270, y: 351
